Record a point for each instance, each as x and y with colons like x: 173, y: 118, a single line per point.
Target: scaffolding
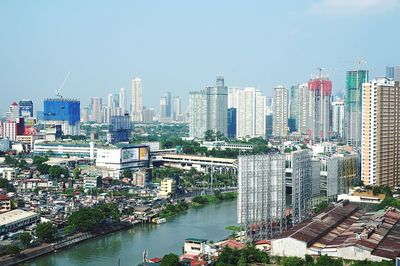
x: 262, y: 195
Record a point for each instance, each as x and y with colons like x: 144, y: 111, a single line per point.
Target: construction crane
x: 58, y: 91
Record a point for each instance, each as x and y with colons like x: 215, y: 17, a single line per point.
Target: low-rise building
x: 8, y: 173
x: 5, y: 203
x: 90, y: 182
x: 167, y: 187
x: 17, y: 219
x: 194, y: 246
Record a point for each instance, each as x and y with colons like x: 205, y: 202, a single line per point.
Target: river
x: 127, y: 246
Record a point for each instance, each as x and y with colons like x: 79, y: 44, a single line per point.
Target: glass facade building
x: 64, y: 112
x: 26, y: 108
x: 232, y: 123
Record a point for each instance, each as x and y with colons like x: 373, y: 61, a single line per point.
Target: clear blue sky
x: 180, y: 46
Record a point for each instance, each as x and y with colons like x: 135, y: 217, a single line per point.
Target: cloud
x: 353, y: 7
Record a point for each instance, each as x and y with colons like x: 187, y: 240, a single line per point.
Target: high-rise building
x: 354, y: 81
x: 96, y: 107
x: 122, y: 100
x: 261, y: 194
x: 13, y: 112
x: 84, y: 115
x: 177, y: 108
x: 168, y: 104
x: 269, y: 125
x: 280, y: 115
x: 233, y: 97
x: 393, y: 72
x: 63, y: 112
x: 250, y: 118
x: 380, y: 143
x: 120, y: 129
x: 294, y: 108
x: 106, y: 114
x: 137, y: 102
x: 232, y: 123
x: 208, y: 110
x: 338, y: 112
x: 26, y: 108
x: 148, y: 115
x: 321, y: 90
x: 163, y: 107
x: 303, y: 119
x: 13, y: 128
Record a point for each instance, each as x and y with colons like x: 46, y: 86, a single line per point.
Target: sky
x: 181, y: 46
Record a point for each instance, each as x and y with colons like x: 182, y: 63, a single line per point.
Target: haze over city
x: 180, y: 46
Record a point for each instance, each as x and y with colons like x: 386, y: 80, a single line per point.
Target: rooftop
x: 15, y: 215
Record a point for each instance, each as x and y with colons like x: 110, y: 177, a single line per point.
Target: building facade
x: 280, y: 115
x: 63, y: 112
x: 338, y: 116
x: 137, y: 101
x: 232, y: 123
x: 380, y: 144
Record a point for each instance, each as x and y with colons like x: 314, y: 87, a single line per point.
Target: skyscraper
x: 280, y: 115
x: 354, y: 81
x: 177, y: 108
x: 137, y: 103
x: 84, y: 115
x: 168, y: 104
x: 26, y: 108
x: 294, y: 108
x: 250, y: 118
x: 261, y: 194
x: 122, y: 100
x: 208, y: 110
x: 338, y: 108
x: 163, y: 107
x: 232, y: 123
x: 380, y: 144
x: 393, y: 72
x: 233, y: 97
x: 63, y: 112
x: 13, y: 112
x: 96, y: 107
x: 321, y: 90
x: 119, y: 129
x: 303, y: 119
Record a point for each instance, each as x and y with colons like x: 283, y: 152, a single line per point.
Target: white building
x: 167, y: 187
x: 122, y: 100
x: 250, y: 118
x: 177, y: 108
x: 280, y: 116
x: 338, y: 109
x: 233, y: 97
x: 16, y: 219
x: 137, y: 101
x: 208, y: 110
x: 96, y: 109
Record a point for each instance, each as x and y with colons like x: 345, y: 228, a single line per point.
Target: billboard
x: 144, y: 153
x: 130, y: 155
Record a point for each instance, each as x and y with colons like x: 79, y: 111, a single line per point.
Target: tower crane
x: 58, y: 91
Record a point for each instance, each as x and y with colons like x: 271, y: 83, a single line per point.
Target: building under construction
x: 262, y: 195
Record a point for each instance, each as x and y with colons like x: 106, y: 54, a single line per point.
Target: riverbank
x: 43, y: 249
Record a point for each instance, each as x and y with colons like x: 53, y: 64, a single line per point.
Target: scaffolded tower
x: 261, y: 199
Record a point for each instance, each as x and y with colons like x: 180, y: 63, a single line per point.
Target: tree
x: 127, y: 173
x: 326, y: 260
x: 209, y: 135
x: 43, y: 168
x: 46, y: 231
x: 37, y: 160
x: 3, y: 183
x: 57, y: 172
x: 25, y: 238
x: 76, y: 172
x: 292, y: 261
x: 12, y: 250
x: 170, y: 260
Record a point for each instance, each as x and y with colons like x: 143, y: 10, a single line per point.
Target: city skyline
x: 103, y: 54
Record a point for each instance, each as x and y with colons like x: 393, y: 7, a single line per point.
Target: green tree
x: 76, y: 172
x: 12, y: 250
x: 170, y: 260
x: 37, y: 160
x: 127, y: 173
x: 46, y: 231
x: 209, y: 135
x: 3, y: 183
x: 326, y: 260
x: 25, y: 238
x: 57, y: 172
x: 85, y: 219
x: 292, y: 261
x: 43, y: 168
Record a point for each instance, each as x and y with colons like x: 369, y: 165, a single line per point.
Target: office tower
x: 106, y: 114
x: 13, y: 112
x: 280, y: 115
x: 269, y: 125
x: 122, y: 100
x: 119, y: 129
x: 261, y: 194
x: 302, y: 174
x: 177, y: 108
x: 148, y: 114
x: 208, y: 110
x: 84, y: 115
x: 168, y: 104
x: 137, y: 103
x: 232, y: 123
x: 250, y: 119
x: 354, y: 81
x: 303, y: 109
x: 393, y: 72
x: 321, y: 90
x: 26, y: 108
x: 96, y: 107
x: 380, y: 143
x: 163, y: 107
x: 294, y: 108
x: 63, y: 112
x: 338, y: 114
x: 233, y: 97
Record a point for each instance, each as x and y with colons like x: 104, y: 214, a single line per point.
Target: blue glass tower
x: 232, y: 123
x: 64, y: 112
